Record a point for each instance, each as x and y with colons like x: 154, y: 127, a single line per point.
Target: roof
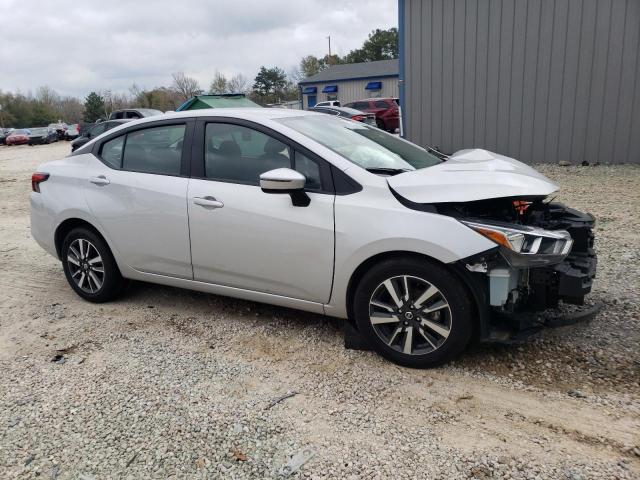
x: 258, y: 114
x: 354, y: 71
x: 226, y: 100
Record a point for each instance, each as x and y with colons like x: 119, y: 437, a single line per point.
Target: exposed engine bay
x: 518, y: 284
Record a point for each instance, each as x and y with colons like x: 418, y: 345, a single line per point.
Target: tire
x: 95, y: 286
x: 380, y: 124
x: 434, y: 337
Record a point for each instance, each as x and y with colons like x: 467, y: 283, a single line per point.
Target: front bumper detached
x: 563, y: 285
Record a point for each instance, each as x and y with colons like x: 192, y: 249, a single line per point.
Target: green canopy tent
x: 227, y: 100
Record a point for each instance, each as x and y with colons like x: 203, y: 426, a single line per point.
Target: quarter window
x: 154, y: 150
x: 112, y: 152
x: 239, y: 154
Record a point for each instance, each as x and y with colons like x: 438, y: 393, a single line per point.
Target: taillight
x: 358, y: 118
x: 36, y: 179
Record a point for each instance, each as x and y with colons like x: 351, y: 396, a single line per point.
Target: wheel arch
x: 478, y: 297
x: 69, y: 224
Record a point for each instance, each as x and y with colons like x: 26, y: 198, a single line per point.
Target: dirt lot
x: 167, y: 383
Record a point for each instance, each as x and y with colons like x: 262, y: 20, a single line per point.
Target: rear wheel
x: 90, y: 267
x: 413, y: 312
x: 380, y: 124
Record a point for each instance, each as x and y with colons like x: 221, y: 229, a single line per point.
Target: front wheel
x: 413, y: 312
x: 90, y: 267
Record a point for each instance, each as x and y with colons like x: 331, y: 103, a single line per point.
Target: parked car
x: 328, y: 103
x: 44, y: 135
x: 95, y: 130
x: 421, y: 253
x: 4, y: 133
x: 385, y: 109
x: 19, y: 136
x: 345, y: 112
x: 134, y: 113
x: 60, y: 128
x: 73, y: 132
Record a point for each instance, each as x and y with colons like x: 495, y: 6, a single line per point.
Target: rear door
x: 136, y: 188
x: 243, y: 237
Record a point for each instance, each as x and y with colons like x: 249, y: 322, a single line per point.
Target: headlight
x: 524, y: 246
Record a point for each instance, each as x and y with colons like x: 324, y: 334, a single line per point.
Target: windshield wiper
x: 436, y: 151
x: 388, y: 171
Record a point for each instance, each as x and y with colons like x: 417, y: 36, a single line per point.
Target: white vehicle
x: 328, y: 103
x: 419, y: 251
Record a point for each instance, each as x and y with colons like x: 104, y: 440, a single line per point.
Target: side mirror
x: 286, y: 180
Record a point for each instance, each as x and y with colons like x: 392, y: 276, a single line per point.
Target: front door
x: 245, y: 238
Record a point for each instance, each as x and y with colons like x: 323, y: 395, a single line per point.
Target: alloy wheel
x: 85, y: 265
x: 410, y: 315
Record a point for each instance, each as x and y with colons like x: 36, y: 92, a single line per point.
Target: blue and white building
x: 351, y: 82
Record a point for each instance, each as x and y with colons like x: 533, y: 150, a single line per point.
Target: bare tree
x: 47, y: 95
x: 114, y: 101
x: 135, y: 94
x: 70, y: 109
x: 185, y: 86
x: 238, y: 84
x: 219, y: 84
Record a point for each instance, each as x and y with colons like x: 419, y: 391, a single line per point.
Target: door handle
x: 209, y: 202
x: 99, y: 180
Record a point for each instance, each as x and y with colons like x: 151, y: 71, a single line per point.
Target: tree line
x: 40, y: 109
x: 271, y: 85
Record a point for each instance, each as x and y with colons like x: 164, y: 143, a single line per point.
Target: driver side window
x: 238, y: 154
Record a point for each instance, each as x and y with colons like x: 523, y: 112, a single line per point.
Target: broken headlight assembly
x: 523, y: 246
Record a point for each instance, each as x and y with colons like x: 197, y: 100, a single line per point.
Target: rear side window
x: 154, y: 150
x: 381, y: 104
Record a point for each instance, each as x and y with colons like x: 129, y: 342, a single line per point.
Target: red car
x: 385, y: 109
x: 18, y: 137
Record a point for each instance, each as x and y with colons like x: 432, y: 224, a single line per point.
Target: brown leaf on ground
x: 238, y: 455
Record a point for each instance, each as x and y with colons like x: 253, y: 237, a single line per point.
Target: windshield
x: 38, y: 131
x: 20, y: 132
x: 368, y: 147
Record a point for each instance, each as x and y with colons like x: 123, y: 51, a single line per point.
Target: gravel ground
x: 167, y: 383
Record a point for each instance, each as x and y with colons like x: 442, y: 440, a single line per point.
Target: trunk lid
x: 470, y: 175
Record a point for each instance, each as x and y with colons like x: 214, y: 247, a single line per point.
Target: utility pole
x: 329, y: 38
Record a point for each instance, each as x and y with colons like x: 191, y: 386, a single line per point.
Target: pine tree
x: 93, y: 107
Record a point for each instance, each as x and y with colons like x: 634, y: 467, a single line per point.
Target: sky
x: 77, y: 47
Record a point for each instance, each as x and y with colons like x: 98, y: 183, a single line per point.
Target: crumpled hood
x: 471, y: 175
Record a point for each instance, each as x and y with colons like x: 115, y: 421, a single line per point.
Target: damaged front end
x: 544, y: 256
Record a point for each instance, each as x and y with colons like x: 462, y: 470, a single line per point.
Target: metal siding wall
x: 539, y: 80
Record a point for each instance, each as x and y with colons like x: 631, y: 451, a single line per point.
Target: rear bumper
x: 41, y: 224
